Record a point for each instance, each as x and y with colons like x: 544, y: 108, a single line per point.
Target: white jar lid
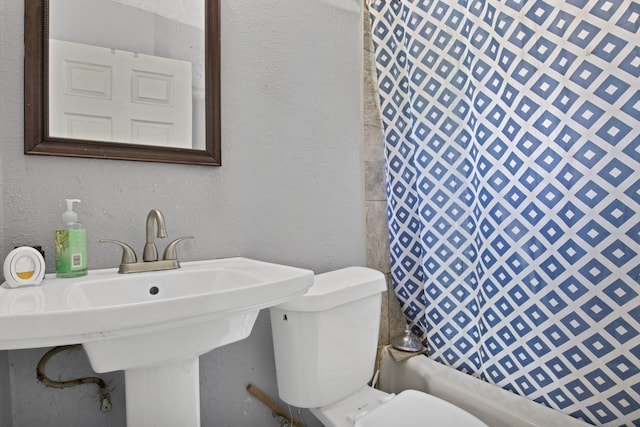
x: 23, y: 266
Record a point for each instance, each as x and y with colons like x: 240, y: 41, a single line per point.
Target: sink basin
x: 153, y: 325
x: 196, y: 279
x: 104, y: 305
x: 106, y: 309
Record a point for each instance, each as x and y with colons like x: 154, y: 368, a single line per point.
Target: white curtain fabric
x: 512, y: 135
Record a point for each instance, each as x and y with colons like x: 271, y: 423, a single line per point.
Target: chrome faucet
x: 150, y: 261
x: 150, y: 251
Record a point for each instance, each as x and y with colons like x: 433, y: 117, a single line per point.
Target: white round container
x: 23, y: 266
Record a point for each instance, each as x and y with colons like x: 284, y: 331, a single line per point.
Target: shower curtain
x: 512, y: 144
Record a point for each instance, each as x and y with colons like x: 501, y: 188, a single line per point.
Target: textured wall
x: 5, y: 391
x: 9, y: 81
x: 289, y: 190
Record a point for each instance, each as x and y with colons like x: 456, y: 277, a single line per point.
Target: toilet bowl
x: 325, y: 347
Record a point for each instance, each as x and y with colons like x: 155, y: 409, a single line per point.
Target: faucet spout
x: 150, y: 251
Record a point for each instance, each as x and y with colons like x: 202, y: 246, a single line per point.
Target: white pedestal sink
x: 152, y: 325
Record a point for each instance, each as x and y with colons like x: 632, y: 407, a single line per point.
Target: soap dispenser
x: 71, y: 244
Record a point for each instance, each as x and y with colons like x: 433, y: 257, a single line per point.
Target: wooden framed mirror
x: 86, y: 133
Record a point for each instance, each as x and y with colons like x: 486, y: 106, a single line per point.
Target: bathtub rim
x: 475, y: 396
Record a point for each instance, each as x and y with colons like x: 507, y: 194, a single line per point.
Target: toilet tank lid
x: 338, y: 287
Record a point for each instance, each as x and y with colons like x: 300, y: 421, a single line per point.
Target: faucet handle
x: 128, y: 254
x: 170, y: 251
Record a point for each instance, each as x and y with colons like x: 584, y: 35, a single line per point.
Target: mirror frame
x: 36, y: 89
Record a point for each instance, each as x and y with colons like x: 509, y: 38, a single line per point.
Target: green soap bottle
x: 71, y: 245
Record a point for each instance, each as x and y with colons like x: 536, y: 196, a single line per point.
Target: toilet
x: 325, y: 348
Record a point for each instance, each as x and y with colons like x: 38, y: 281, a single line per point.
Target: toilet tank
x: 325, y: 341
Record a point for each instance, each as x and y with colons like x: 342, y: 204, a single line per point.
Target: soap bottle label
x: 71, y: 252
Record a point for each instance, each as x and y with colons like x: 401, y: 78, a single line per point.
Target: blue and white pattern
x: 512, y: 134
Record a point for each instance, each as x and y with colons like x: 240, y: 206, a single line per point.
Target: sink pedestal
x: 165, y: 395
x: 161, y: 367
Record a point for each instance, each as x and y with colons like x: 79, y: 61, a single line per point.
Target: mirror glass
x: 123, y: 79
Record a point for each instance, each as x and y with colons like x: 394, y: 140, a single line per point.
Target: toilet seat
x: 370, y: 407
x: 345, y: 412
x: 412, y: 407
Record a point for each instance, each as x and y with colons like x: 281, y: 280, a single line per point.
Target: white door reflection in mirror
x: 105, y: 94
x: 127, y: 71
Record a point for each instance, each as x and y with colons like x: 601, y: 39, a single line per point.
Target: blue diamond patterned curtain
x: 512, y: 143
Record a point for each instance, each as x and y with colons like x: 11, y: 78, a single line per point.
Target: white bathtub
x: 493, y: 405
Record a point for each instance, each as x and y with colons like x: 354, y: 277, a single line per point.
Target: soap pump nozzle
x: 70, y: 216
